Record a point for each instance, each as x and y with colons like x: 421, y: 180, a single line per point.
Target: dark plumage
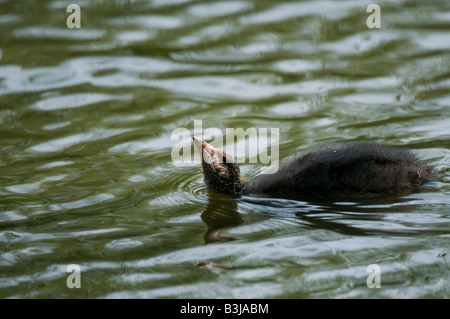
x: 346, y: 171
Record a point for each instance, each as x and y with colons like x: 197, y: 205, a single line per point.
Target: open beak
x: 208, y: 153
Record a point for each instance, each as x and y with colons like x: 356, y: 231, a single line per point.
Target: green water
x: 87, y: 177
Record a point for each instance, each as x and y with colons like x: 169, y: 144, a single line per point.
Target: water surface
x: 87, y: 177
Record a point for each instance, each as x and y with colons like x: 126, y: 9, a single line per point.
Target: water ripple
x: 55, y: 33
x: 218, y: 8
x: 69, y: 101
x: 88, y: 201
x: 68, y: 141
x: 187, y: 189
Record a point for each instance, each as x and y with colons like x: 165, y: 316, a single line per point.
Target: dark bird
x: 344, y: 171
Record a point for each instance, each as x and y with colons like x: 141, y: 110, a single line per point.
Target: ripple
x: 360, y: 43
x: 278, y: 207
x: 70, y: 101
x: 93, y: 232
x: 240, y: 89
x: 296, y: 66
x: 10, y: 18
x: 165, y: 3
x: 142, y: 277
x: 187, y: 189
x: 285, y: 11
x: 56, y: 164
x: 55, y: 126
x: 84, y: 202
x: 149, y: 21
x: 120, y: 244
x: 256, y: 274
x: 203, y: 290
x: 127, y: 37
x: 14, y: 257
x: 368, y: 99
x: 264, y: 250
x: 434, y: 41
x: 432, y: 129
x: 147, y: 146
x: 25, y: 188
x: 209, y: 33
x: 82, y: 34
x: 137, y: 178
x: 291, y: 108
x: 218, y: 8
x: 62, y: 143
x: 11, y: 216
x: 83, y: 70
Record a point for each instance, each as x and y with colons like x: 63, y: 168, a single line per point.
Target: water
x: 87, y: 178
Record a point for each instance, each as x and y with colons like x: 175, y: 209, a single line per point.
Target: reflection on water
x: 87, y: 178
x: 219, y: 215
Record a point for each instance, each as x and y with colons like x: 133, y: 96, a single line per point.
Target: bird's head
x: 220, y: 171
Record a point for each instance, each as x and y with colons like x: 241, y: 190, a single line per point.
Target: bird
x: 345, y: 171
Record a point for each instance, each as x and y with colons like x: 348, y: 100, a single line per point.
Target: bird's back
x: 354, y: 170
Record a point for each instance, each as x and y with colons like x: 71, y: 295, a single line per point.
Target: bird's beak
x: 208, y: 153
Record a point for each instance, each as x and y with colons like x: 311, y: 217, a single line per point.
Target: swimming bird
x: 357, y: 170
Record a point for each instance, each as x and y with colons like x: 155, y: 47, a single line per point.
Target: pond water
x: 87, y: 175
